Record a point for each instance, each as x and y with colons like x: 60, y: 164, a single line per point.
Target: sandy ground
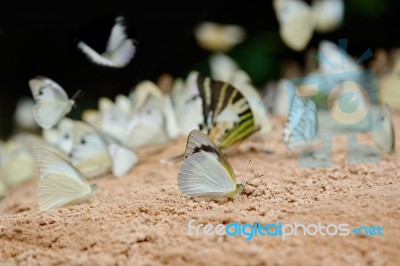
x: 142, y: 219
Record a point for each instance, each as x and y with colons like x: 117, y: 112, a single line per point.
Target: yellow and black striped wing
x: 228, y: 118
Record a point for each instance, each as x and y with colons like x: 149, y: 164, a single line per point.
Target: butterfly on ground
x: 89, y: 151
x: 52, y: 103
x: 300, y: 131
x: 60, y: 184
x: 119, y: 51
x: 123, y: 159
x: 298, y: 20
x: 204, y: 171
x: 227, y: 116
x: 385, y: 136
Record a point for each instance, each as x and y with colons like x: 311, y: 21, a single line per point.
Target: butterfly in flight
x: 204, y: 171
x: 52, y: 103
x: 301, y: 129
x: 60, y: 183
x: 298, y: 19
x: 119, y: 51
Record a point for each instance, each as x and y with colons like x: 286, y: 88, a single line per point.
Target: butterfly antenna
x: 245, y: 171
x: 77, y: 94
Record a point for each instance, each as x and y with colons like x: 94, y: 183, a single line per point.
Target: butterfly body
x: 204, y: 171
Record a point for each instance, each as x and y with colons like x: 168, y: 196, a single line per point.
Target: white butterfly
x: 300, y: 132
x: 119, y: 51
x: 205, y: 172
x: 123, y: 159
x: 188, y: 104
x: 333, y: 59
x: 61, y: 136
x: 23, y: 115
x: 52, y: 102
x: 17, y: 164
x: 60, y: 183
x: 147, y: 127
x: 89, y: 153
x: 385, y: 137
x: 219, y: 37
x: 389, y: 85
x: 298, y: 20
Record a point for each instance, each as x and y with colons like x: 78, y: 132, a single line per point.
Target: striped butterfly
x: 300, y: 132
x: 227, y: 117
x: 52, y: 103
x: 119, y: 51
x: 204, y: 171
x: 60, y: 184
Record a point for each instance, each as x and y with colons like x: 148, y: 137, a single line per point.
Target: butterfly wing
x: 123, y: 159
x: 385, y: 137
x: 89, y: 153
x: 296, y: 23
x: 301, y: 128
x: 123, y: 54
x: 202, y: 175
x: 120, y: 50
x: 118, y: 34
x: 94, y: 56
x: 227, y: 116
x: 52, y: 102
x: 60, y: 184
x: 328, y: 14
x: 204, y: 171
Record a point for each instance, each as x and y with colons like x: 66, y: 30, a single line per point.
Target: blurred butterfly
x: 204, y: 171
x: 52, y: 103
x: 389, y: 85
x: 385, y: 137
x: 23, y: 116
x: 17, y: 164
x: 89, y: 152
x: 123, y: 159
x: 60, y: 184
x: 298, y: 20
x: 119, y: 51
x: 61, y: 136
x: 219, y: 37
x: 300, y: 131
x: 224, y: 68
x: 147, y: 126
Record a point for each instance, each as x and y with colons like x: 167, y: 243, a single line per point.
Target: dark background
x: 38, y: 38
